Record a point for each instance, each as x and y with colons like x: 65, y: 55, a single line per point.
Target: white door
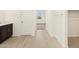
x: 28, y: 22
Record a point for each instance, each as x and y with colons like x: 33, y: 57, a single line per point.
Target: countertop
x: 5, y: 24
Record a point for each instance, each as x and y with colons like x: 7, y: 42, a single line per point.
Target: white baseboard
x: 63, y: 45
x: 73, y: 36
x: 49, y: 33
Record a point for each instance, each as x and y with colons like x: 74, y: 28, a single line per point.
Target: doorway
x: 73, y: 28
x: 40, y: 20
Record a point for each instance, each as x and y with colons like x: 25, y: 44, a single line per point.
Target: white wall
x: 49, y: 22
x: 28, y: 17
x: 56, y: 25
x: 60, y: 26
x: 73, y: 21
x: 13, y: 16
x: 2, y: 16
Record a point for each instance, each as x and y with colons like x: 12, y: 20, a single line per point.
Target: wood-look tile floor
x: 41, y: 40
x: 73, y: 42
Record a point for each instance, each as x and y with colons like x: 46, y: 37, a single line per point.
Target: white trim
x: 73, y: 36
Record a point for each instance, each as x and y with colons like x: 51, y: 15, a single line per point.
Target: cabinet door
x: 4, y: 32
x: 10, y: 29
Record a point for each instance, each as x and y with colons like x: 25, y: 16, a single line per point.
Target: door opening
x: 40, y: 20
